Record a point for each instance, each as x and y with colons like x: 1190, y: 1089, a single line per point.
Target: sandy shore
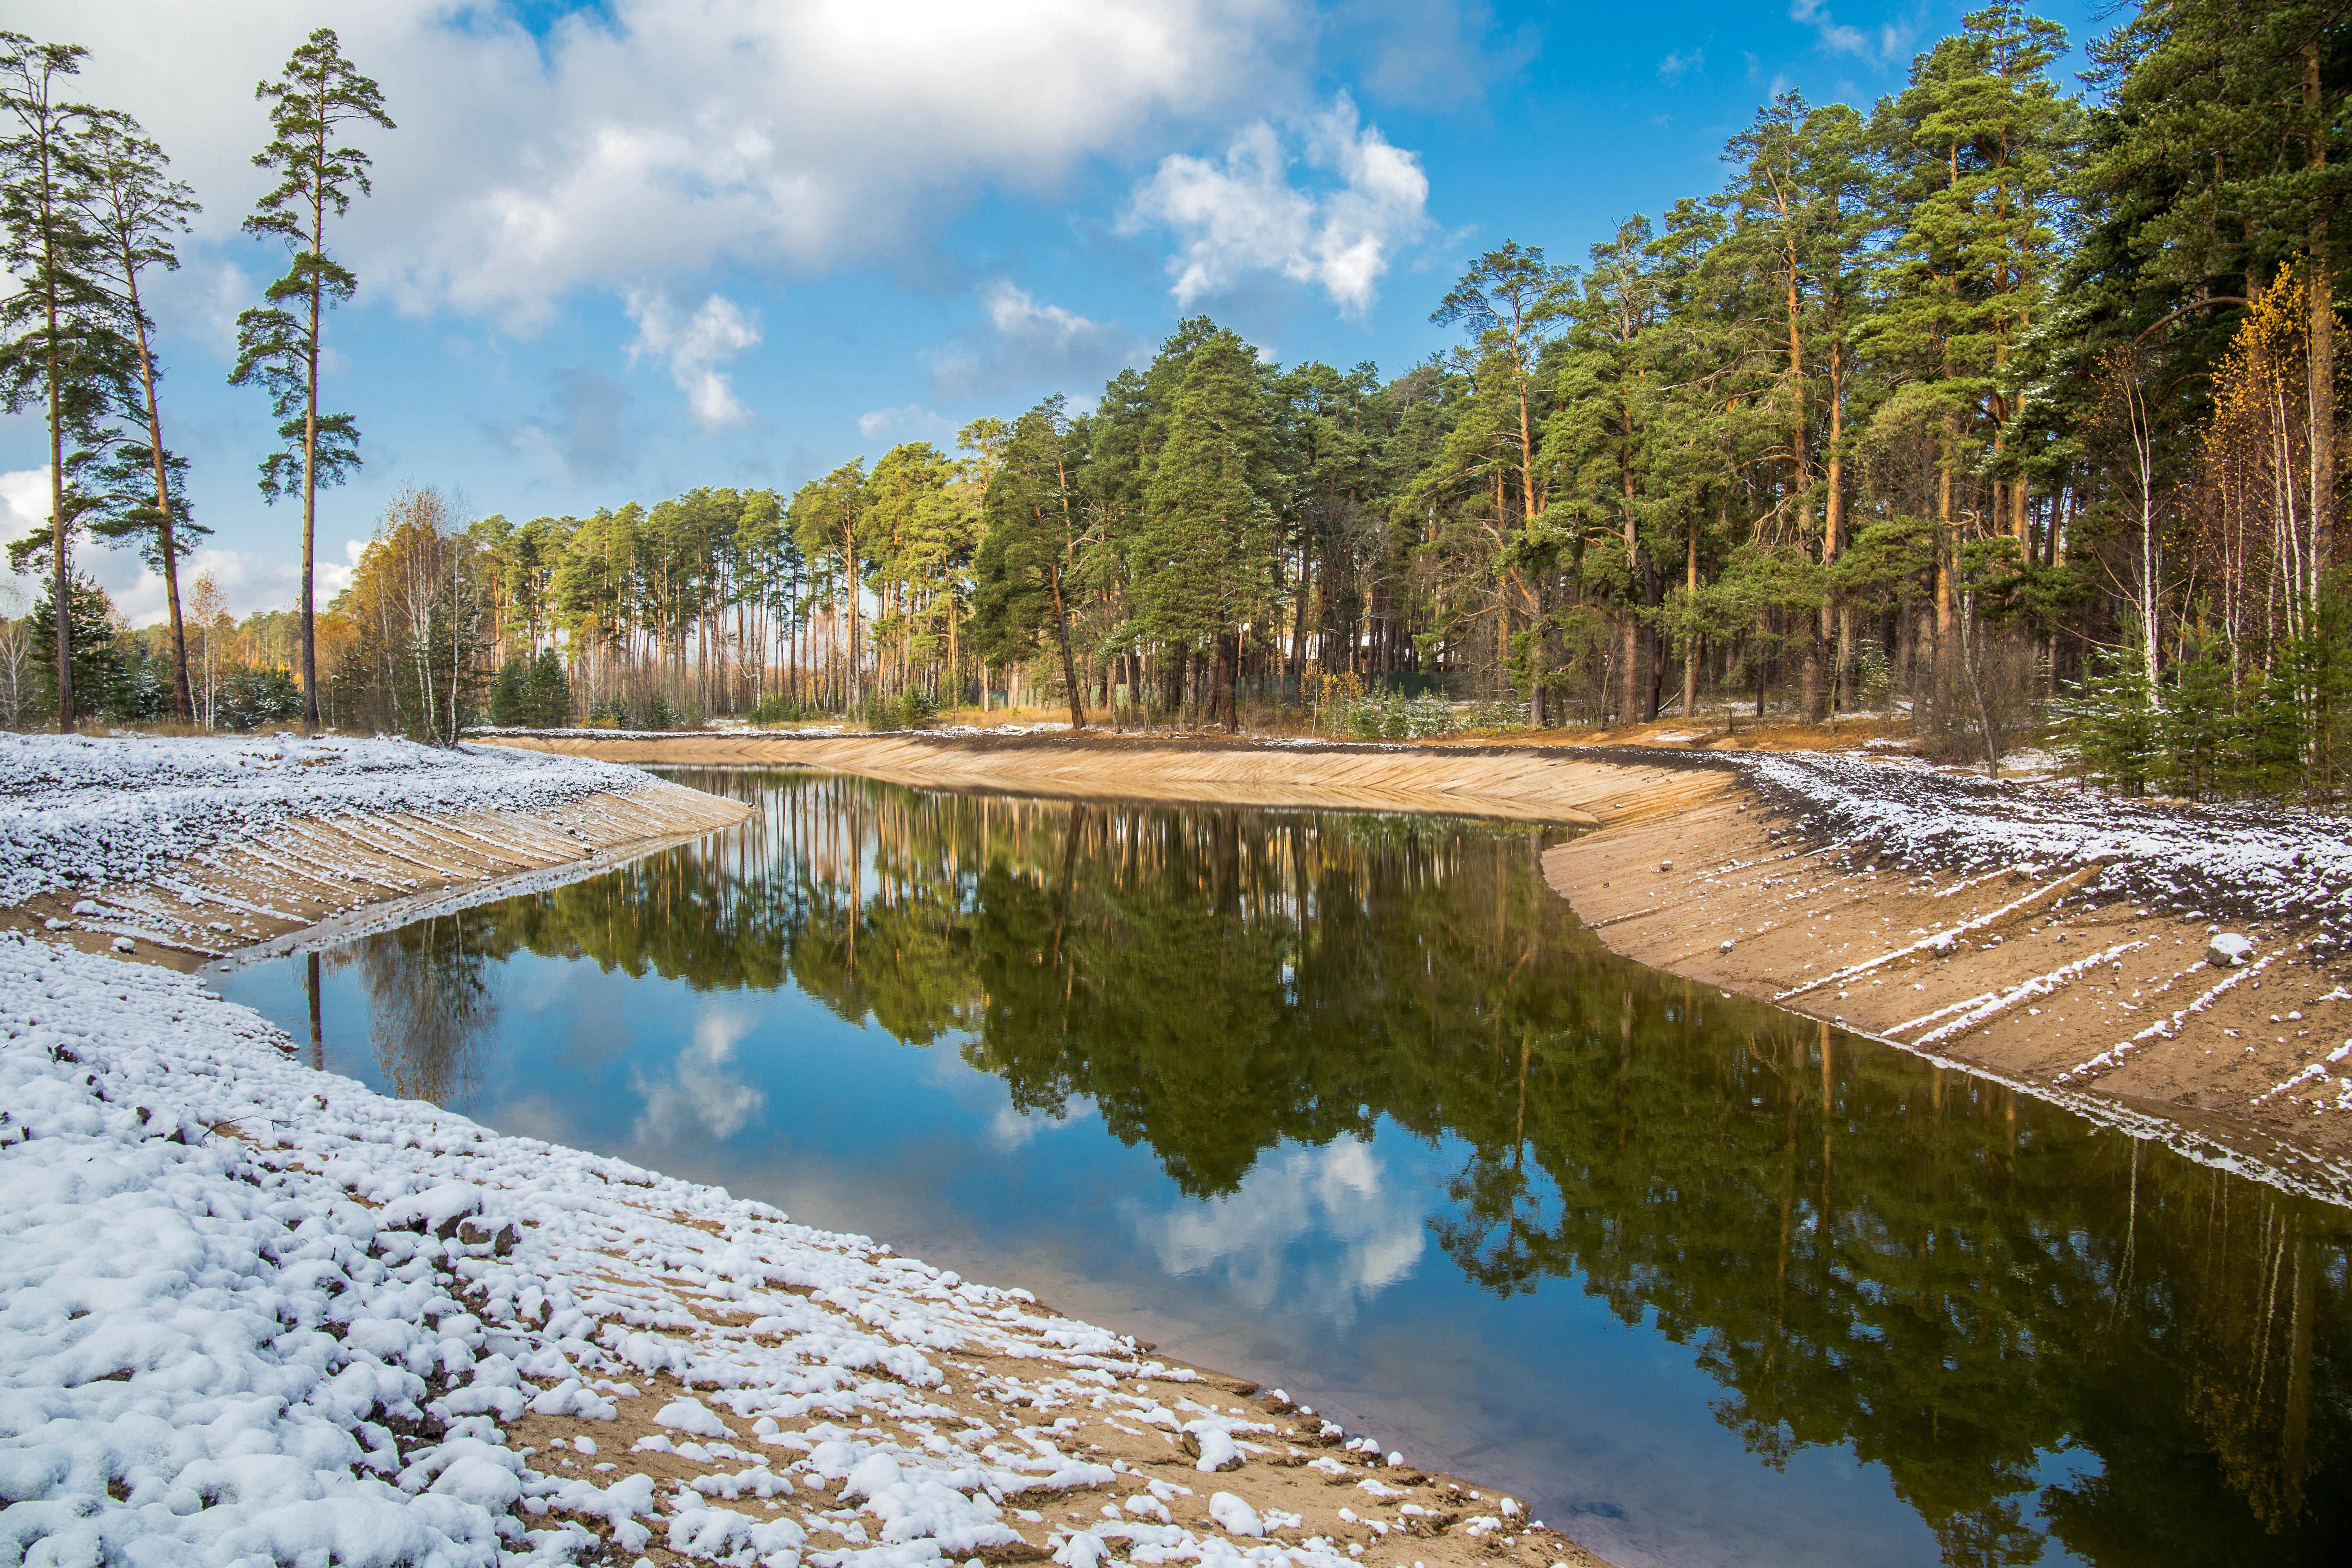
x: 1522, y: 783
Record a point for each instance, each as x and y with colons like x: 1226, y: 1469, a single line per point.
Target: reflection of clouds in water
x: 1008, y: 1129
x: 1011, y: 1128
x: 1335, y: 1196
x: 700, y: 1093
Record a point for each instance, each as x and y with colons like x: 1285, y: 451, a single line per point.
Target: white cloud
x: 1242, y: 213
x: 644, y: 139
x: 912, y: 423
x: 1336, y: 1195
x: 701, y: 1094
x: 1881, y: 48
x: 1675, y: 67
x: 250, y: 581
x: 1028, y: 343
x: 695, y: 347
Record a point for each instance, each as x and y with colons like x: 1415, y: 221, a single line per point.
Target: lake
x: 1353, y: 1105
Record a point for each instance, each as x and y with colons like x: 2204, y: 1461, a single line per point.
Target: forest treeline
x: 2010, y: 397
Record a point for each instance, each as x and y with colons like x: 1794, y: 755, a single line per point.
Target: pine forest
x: 2009, y: 401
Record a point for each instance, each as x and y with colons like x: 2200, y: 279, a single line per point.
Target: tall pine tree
x: 279, y: 343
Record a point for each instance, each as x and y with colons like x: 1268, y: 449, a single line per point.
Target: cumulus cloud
x: 1882, y: 47
x: 695, y: 346
x: 701, y: 1094
x: 1242, y: 213
x: 1675, y: 67
x: 1319, y: 1230
x: 641, y: 139
x: 249, y: 580
x: 1028, y: 343
x: 912, y: 423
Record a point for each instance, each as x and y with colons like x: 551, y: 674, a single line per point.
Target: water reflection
x: 2050, y: 1338
x: 1339, y: 1193
x: 432, y: 1006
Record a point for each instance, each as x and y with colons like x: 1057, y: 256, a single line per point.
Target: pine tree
x: 1021, y: 573
x: 1979, y: 150
x: 1512, y: 303
x: 1203, y: 556
x: 279, y: 344
x: 136, y: 209
x: 507, y: 696
x: 57, y: 346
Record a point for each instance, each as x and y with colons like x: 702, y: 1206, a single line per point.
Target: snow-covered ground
x: 78, y: 810
x: 2221, y: 863
x: 255, y: 1313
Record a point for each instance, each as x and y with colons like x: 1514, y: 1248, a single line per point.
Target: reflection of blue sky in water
x: 1311, y: 1230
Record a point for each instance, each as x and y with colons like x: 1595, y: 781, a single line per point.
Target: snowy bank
x: 255, y: 1313
x: 2217, y: 862
x: 76, y: 808
x: 186, y: 849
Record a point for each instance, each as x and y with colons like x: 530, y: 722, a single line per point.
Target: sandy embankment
x: 2030, y: 989
x: 2049, y: 971
x: 1517, y: 782
x: 299, y: 874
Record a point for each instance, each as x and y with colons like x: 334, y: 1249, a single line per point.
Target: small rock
x: 1726, y: 945
x: 124, y: 945
x: 1213, y: 1451
x: 2228, y: 950
x: 1666, y: 865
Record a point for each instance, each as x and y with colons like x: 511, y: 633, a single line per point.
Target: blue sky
x: 621, y: 249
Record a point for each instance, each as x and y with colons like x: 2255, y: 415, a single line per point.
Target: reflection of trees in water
x: 428, y: 1006
x: 1862, y: 1248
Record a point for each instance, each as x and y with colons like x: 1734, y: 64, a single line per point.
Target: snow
x: 1234, y: 1516
x: 79, y: 809
x: 2254, y: 863
x: 251, y: 1312
x: 2228, y: 950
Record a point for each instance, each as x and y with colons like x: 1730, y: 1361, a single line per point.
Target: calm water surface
x: 1351, y: 1104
